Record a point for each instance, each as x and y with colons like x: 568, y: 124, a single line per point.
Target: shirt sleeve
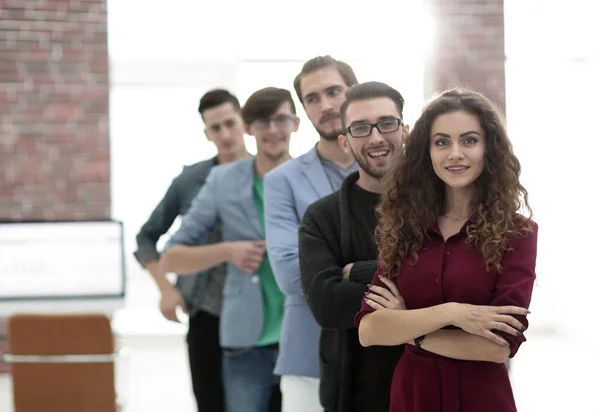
x: 515, y: 285
x: 201, y: 217
x: 282, y: 222
x: 158, y: 224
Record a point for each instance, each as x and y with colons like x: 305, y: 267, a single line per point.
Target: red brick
x: 468, y: 47
x: 54, y: 157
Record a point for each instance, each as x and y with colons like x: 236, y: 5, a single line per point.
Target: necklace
x: 456, y: 219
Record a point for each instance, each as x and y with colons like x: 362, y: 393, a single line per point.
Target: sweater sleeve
x: 333, y: 300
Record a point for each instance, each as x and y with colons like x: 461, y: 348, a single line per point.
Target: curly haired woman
x: 456, y: 261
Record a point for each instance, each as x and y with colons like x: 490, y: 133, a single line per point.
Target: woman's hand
x: 481, y: 320
x: 381, y: 298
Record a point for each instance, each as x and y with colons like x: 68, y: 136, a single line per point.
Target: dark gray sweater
x: 325, y: 247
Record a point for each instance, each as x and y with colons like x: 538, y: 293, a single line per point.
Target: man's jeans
x: 248, y: 378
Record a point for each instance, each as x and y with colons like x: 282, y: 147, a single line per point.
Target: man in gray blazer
x: 289, y: 190
x: 199, y: 295
x: 252, y: 307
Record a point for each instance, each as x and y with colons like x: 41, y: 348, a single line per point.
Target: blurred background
x: 99, y: 99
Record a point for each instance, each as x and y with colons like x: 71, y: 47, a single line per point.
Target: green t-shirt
x: 273, y: 298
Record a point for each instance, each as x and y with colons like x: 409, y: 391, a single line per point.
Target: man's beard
x: 363, y: 163
x: 330, y: 137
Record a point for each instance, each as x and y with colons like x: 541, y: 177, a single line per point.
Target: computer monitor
x: 68, y: 266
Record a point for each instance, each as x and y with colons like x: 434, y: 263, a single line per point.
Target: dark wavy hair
x: 413, y: 194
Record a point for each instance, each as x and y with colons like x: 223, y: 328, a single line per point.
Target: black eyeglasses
x: 365, y: 129
x: 280, y: 121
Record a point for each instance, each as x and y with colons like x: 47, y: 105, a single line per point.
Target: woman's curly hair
x: 413, y: 196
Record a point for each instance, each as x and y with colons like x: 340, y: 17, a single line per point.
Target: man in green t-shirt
x: 252, y: 308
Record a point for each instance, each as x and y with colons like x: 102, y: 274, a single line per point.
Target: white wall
x: 553, y: 61
x: 164, y: 58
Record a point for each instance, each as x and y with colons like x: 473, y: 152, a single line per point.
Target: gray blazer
x: 176, y: 202
x: 227, y: 199
x: 289, y: 190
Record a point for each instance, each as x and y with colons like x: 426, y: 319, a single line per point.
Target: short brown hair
x: 371, y: 90
x: 217, y: 97
x: 264, y: 102
x: 321, y: 62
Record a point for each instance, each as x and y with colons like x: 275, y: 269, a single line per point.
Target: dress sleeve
x: 515, y: 284
x: 364, y: 308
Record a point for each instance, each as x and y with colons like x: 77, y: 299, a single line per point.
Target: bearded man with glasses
x: 338, y: 254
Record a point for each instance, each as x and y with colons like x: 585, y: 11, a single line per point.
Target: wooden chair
x: 62, y: 363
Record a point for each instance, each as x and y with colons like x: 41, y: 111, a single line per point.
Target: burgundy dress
x: 452, y: 271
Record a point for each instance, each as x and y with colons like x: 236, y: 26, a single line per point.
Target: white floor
x: 549, y: 374
x: 552, y: 374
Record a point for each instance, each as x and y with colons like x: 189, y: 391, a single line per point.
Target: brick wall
x: 468, y: 48
x: 54, y: 144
